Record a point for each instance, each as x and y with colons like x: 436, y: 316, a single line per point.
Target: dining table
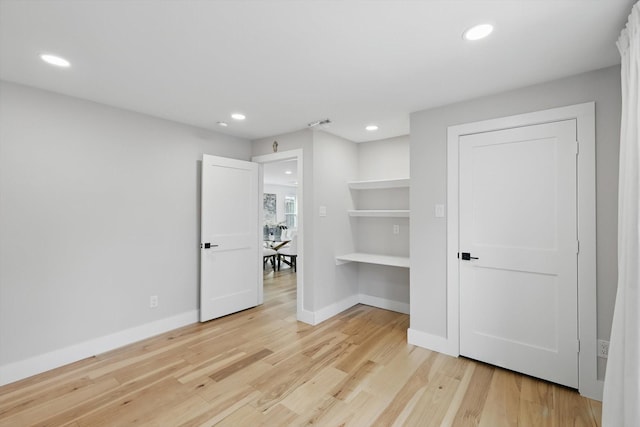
x: 276, y: 244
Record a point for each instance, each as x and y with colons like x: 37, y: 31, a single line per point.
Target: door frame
x: 586, y: 211
x: 276, y: 157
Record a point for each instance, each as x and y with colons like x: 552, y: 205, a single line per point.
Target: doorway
x: 291, y: 205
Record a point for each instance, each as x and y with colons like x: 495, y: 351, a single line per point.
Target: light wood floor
x: 261, y: 367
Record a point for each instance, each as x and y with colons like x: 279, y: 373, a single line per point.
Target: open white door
x: 518, y: 244
x: 230, y: 254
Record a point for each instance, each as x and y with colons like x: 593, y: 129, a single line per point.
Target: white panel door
x: 230, y: 254
x: 518, y: 290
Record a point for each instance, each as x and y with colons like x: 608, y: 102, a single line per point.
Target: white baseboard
x: 593, y: 390
x: 387, y: 304
x: 333, y: 309
x: 432, y: 342
x: 306, y: 316
x: 15, y: 371
x: 315, y: 317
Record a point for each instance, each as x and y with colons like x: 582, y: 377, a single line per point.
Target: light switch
x: 439, y: 211
x: 323, y: 211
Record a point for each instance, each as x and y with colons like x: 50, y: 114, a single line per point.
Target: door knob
x: 207, y: 245
x: 466, y: 256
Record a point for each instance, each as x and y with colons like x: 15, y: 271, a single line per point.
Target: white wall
x: 429, y: 185
x: 281, y: 191
x: 383, y: 159
x: 99, y: 209
x: 335, y: 162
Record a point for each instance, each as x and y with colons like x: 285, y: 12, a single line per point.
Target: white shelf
x: 379, y: 184
x: 389, y: 213
x: 395, y: 261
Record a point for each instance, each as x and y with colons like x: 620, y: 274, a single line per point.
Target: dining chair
x: 289, y: 251
x: 269, y: 254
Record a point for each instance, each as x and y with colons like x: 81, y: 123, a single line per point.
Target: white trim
x: 432, y: 342
x: 54, y: 359
x: 306, y: 317
x: 331, y: 310
x: 587, y: 306
x: 260, y: 263
x: 595, y: 392
x: 301, y: 314
x: 387, y: 304
x: 335, y: 308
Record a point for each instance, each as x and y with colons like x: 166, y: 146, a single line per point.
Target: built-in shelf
x: 395, y: 261
x: 379, y: 184
x: 388, y: 213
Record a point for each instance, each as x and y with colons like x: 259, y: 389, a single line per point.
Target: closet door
x: 518, y: 243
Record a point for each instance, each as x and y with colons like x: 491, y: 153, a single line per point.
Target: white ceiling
x: 288, y: 63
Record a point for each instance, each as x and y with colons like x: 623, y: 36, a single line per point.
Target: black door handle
x: 207, y: 245
x: 466, y: 256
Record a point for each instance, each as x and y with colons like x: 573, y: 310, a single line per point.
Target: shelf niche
x: 393, y: 261
x: 379, y: 184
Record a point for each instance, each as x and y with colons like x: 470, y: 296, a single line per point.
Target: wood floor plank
x: 410, y: 391
x: 212, y: 390
x: 571, y: 411
x: 431, y: 407
x: 320, y: 384
x: 215, y: 363
x: 458, y: 397
x: 334, y: 412
x: 533, y: 414
x: 502, y: 406
x: 281, y: 380
x: 260, y: 367
x: 234, y: 400
x: 476, y: 396
x: 240, y: 364
x: 100, y: 400
x: 351, y: 385
x: 596, y: 411
x: 397, y: 372
x: 55, y: 404
x: 540, y: 392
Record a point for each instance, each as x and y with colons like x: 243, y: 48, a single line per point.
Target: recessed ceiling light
x: 371, y: 128
x: 478, y: 32
x: 288, y: 172
x: 223, y: 124
x: 55, y: 60
x: 238, y: 116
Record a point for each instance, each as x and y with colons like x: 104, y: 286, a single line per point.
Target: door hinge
x: 578, y: 346
x: 577, y: 148
x: 577, y: 246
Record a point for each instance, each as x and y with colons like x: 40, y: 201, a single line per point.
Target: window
x: 290, y: 212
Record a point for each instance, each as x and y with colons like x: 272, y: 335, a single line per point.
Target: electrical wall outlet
x: 396, y: 229
x: 153, y: 301
x: 603, y: 349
